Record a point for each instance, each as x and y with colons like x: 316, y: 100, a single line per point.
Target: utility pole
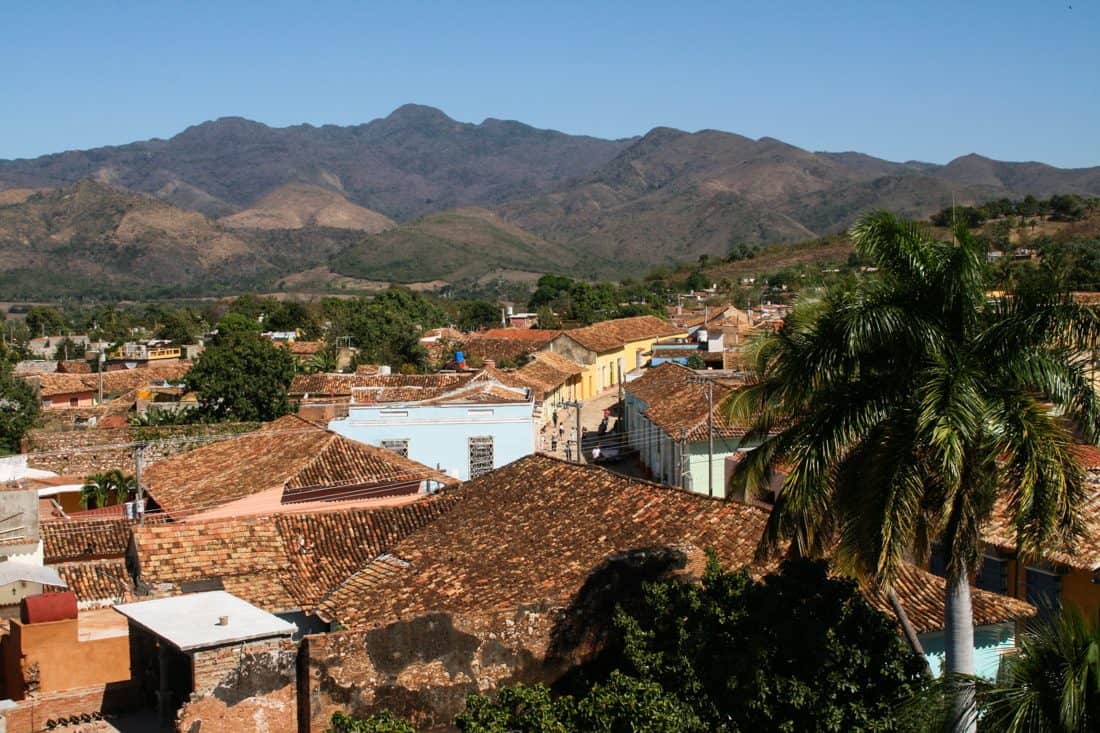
x: 685, y: 466
x: 139, y: 504
x: 576, y: 404
x: 622, y: 407
x: 696, y: 379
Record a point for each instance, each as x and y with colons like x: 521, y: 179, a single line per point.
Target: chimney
x: 223, y: 621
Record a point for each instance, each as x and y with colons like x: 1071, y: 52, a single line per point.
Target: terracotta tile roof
x: 531, y: 533
x: 119, y: 380
x: 97, y: 582
x: 302, y: 348
x: 82, y: 539
x: 535, y: 335
x: 443, y: 334
x: 481, y: 392
x: 614, y: 334
x: 74, y: 366
x: 921, y: 594
x: 498, y: 349
x: 280, y: 563
x: 655, y: 381
x: 1082, y: 555
x: 323, y: 550
x: 245, y: 554
x: 675, y: 404
x: 546, y: 372
x: 291, y: 454
x: 378, y: 387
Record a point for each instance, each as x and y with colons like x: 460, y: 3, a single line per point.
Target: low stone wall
x: 46, y: 711
x: 242, y: 687
x: 83, y: 451
x: 423, y: 668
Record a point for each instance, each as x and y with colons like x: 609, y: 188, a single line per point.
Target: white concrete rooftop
x: 190, y: 621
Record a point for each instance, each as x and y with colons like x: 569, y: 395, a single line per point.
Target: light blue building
x: 464, y: 432
x: 991, y: 643
x: 666, y: 412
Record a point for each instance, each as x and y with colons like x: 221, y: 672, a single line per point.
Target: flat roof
x: 190, y: 621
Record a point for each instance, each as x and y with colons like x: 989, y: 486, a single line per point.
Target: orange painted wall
x: 83, y: 399
x: 1077, y: 588
x: 64, y: 662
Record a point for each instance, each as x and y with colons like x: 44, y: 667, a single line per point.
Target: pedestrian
x: 555, y: 418
x: 554, y: 443
x: 561, y: 432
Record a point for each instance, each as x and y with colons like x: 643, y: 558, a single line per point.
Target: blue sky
x: 922, y: 80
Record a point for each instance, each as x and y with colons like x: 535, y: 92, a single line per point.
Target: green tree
x: 1051, y: 683
x: 547, y: 319
x: 19, y: 408
x: 323, y: 361
x: 475, y: 314
x: 695, y: 361
x: 383, y: 722
x: 42, y: 320
x: 96, y: 490
x: 621, y: 704
x: 242, y: 377
x: 696, y: 281
x: 66, y: 348
x: 180, y: 327
x: 788, y: 653
x: 235, y: 323
x: 909, y: 404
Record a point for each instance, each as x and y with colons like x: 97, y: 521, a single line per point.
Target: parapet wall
x: 83, y: 451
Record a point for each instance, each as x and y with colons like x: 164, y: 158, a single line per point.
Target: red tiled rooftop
x: 532, y: 532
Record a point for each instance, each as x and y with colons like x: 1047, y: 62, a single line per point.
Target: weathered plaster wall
x: 424, y: 667
x: 250, y: 686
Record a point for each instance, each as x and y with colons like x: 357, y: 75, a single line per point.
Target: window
x: 481, y: 455
x: 400, y: 446
x: 1044, y: 590
x: 994, y: 575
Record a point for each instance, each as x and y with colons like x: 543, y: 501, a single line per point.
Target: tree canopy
x: 797, y: 651
x: 242, y: 377
x: 908, y: 404
x: 18, y: 409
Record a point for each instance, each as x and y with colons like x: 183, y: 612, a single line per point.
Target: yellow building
x: 1064, y: 575
x: 609, y: 349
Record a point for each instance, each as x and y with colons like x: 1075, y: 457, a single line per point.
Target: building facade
x: 463, y: 433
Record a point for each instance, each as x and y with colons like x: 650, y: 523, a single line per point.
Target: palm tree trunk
x: 907, y: 628
x: 959, y: 628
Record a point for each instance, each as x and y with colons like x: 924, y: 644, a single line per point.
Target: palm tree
x: 123, y: 484
x: 1052, y: 682
x: 907, y: 404
x: 96, y: 489
x: 321, y: 362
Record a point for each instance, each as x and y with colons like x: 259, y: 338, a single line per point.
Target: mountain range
x: 418, y: 196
